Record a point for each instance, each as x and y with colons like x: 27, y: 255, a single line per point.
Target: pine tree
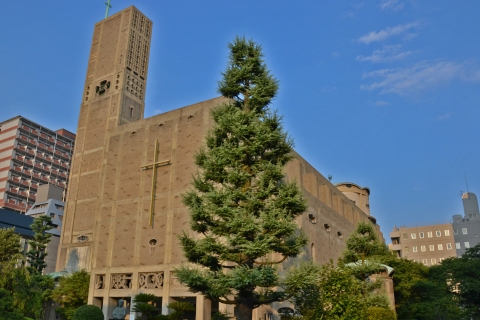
x: 242, y: 208
x: 36, y: 255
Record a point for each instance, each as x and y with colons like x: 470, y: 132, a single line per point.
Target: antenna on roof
x: 108, y: 7
x: 466, y: 182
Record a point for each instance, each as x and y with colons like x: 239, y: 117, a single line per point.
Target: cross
x: 154, y: 166
x: 108, y: 7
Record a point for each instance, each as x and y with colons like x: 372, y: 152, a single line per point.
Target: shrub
x: 375, y: 313
x: 88, y: 312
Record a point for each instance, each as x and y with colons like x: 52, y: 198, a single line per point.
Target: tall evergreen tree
x: 242, y: 208
x: 36, y: 255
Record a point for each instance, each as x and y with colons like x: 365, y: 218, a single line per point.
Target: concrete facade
x: 427, y: 244
x: 466, y: 228
x: 31, y: 155
x: 107, y: 228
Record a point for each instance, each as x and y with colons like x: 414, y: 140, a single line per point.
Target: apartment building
x: 466, y: 228
x: 31, y: 155
x: 426, y: 244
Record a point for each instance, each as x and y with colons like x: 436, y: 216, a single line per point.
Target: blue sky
x: 383, y: 93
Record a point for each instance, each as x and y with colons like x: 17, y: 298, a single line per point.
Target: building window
x: 441, y: 259
x: 433, y: 261
x: 447, y: 233
x: 457, y: 245
x: 423, y: 248
x: 414, y: 236
x: 449, y: 246
x: 131, y: 112
x: 432, y: 247
x: 455, y: 231
x: 467, y: 244
x: 415, y: 249
x: 464, y: 230
x: 405, y: 236
x: 407, y: 250
x: 440, y: 246
x: 430, y: 234
x: 439, y: 233
x: 421, y: 234
x: 424, y: 261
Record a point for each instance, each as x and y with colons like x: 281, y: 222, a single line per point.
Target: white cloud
x: 421, y: 76
x: 328, y: 89
x: 393, y: 5
x: 387, y: 33
x: 381, y: 103
x: 388, y: 53
x: 444, y: 116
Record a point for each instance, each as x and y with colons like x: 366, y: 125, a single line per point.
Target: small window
x: 424, y: 261
x: 430, y: 234
x: 455, y: 231
x: 52, y: 215
x: 433, y: 261
x: 432, y: 247
x: 131, y: 112
x: 441, y: 259
x: 414, y: 249
x: 447, y: 233
x: 439, y: 233
x: 422, y: 235
x: 414, y: 236
x: 423, y: 248
x: 464, y: 231
x: 405, y: 236
x: 407, y: 250
x: 467, y: 244
x: 449, y: 246
x: 457, y: 245
x: 440, y: 246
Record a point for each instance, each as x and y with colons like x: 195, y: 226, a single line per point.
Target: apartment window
x: 423, y: 248
x: 440, y: 246
x: 457, y: 245
x: 422, y: 235
x: 430, y: 234
x: 447, y: 233
x: 414, y: 249
x: 449, y: 246
x: 464, y: 230
x: 433, y: 261
x: 467, y: 244
x: 414, y: 236
x: 424, y: 261
x: 405, y: 236
x: 455, y: 231
x: 431, y: 247
x: 52, y: 215
x: 439, y: 233
x: 407, y: 250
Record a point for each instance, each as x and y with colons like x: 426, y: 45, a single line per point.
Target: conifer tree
x: 36, y: 255
x: 242, y: 208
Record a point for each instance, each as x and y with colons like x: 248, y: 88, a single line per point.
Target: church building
x: 124, y: 209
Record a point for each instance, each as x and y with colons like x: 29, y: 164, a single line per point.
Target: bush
x: 88, y: 312
x: 375, y: 313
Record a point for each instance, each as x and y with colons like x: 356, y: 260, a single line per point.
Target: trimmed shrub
x: 88, y: 312
x: 376, y: 313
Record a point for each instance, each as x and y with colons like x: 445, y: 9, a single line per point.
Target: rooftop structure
x: 466, y: 228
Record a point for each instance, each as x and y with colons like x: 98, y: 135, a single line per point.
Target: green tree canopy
x: 10, y: 246
x: 36, y: 255
x: 242, y: 208
x: 71, y: 293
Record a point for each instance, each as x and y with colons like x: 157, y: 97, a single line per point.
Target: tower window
x: 131, y: 112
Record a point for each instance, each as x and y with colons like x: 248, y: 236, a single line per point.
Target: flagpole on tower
x: 108, y: 7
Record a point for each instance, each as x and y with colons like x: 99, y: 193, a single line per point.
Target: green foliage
x: 10, y: 246
x: 88, y: 312
x: 376, y: 313
x: 144, y: 303
x: 36, y: 255
x: 71, y: 293
x: 27, y: 291
x: 240, y: 203
x: 7, y: 310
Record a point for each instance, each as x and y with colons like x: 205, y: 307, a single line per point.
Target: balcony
x: 396, y: 247
x: 18, y: 169
x: 15, y: 179
x: 35, y: 132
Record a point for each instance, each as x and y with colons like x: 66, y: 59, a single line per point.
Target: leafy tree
x: 144, y: 303
x: 241, y: 206
x: 10, y: 246
x: 88, y: 312
x: 7, y: 310
x: 71, y: 293
x: 36, y: 255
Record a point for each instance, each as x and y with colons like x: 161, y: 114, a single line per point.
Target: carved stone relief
x: 121, y: 281
x: 100, y: 281
x: 150, y: 280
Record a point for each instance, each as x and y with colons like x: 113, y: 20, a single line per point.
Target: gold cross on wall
x: 154, y: 166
